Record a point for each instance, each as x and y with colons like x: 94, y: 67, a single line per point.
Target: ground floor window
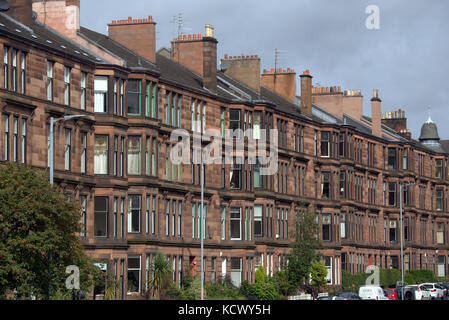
x: 236, y: 271
x: 134, y: 274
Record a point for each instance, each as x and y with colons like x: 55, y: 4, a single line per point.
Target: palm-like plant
x: 162, y: 271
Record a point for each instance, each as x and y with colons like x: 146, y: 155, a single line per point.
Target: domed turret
x: 429, y: 133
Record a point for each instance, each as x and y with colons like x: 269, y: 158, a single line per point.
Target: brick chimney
x: 397, y: 121
x: 329, y: 98
x: 198, y: 54
x: 138, y: 35
x: 244, y: 68
x: 281, y: 81
x: 21, y: 10
x: 61, y: 15
x: 306, y: 93
x: 353, y: 104
x: 376, y: 112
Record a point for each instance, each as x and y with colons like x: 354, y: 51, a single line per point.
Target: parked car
x: 445, y: 285
x: 372, y: 293
x: 416, y: 292
x: 391, y: 294
x: 349, y: 296
x: 436, y: 291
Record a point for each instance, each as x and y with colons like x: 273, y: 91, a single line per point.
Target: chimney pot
x: 140, y: 20
x: 114, y: 22
x: 190, y: 37
x: 150, y: 18
x: 130, y: 19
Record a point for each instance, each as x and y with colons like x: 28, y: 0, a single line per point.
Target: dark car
x: 349, y: 296
x: 445, y: 286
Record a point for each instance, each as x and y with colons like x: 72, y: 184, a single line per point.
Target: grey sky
x: 407, y: 59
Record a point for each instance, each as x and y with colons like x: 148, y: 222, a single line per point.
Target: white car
x: 436, y: 292
x: 372, y: 293
x: 421, y: 292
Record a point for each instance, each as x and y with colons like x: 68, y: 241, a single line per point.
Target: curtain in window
x: 101, y: 155
x: 134, y: 155
x: 101, y: 89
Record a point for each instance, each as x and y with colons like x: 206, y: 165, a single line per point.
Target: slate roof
x: 132, y: 59
x: 44, y: 36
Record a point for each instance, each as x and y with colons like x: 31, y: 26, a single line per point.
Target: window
x: 179, y: 110
x: 179, y: 219
x: 223, y: 223
x: 134, y: 210
x: 67, y: 86
x: 235, y: 175
x: 439, y: 168
x: 167, y: 107
x: 153, y: 216
x: 147, y: 98
x: 325, y: 185
x: 134, y: 97
x: 328, y: 265
x: 405, y: 159
x: 115, y: 158
x: 83, y: 90
x: 222, y: 122
x: 235, y: 121
x: 325, y: 144
x: 101, y: 94
x: 392, y: 194
x: 101, y: 155
x: 6, y: 137
x: 134, y: 274
x: 101, y: 216
x: 15, y: 141
x: 342, y: 184
x: 6, y: 67
x: 167, y: 218
x: 23, y: 73
x: 439, y: 200
x: 391, y: 159
x: 440, y: 233
x: 194, y: 227
x: 114, y: 221
x: 154, y: 101
x: 24, y: 141
x: 14, y: 70
x: 134, y: 155
x: 343, y: 225
x: 122, y: 218
x: 83, y: 215
x: 50, y: 66
x: 256, y: 125
x: 122, y: 97
x: 236, y: 271
x: 257, y: 179
x: 68, y: 150
x: 153, y: 157
x: 236, y: 223
x: 326, y: 227
x: 393, y: 231
x: 258, y: 225
x: 83, y: 159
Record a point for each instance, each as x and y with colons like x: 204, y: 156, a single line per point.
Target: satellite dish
x: 223, y: 66
x: 4, y: 5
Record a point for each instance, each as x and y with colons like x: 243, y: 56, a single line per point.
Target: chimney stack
x: 138, y: 35
x: 397, y: 121
x: 246, y: 69
x: 199, y: 54
x: 22, y: 11
x: 281, y: 81
x: 61, y: 15
x: 306, y: 93
x: 376, y: 113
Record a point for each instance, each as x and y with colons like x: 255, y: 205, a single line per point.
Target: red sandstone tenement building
x: 137, y: 203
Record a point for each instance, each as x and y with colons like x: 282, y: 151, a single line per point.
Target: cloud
x: 406, y: 59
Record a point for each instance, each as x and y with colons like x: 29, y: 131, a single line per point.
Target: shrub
x: 259, y: 275
x: 283, y: 286
x: 265, y: 290
x: 420, y: 276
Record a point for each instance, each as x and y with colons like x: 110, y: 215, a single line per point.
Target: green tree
x: 38, y: 236
x: 304, y: 247
x: 259, y: 275
x: 162, y: 272
x: 318, y: 275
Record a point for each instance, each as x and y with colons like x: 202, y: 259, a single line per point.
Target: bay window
x: 236, y: 223
x: 134, y: 212
x: 134, y: 97
x: 101, y: 211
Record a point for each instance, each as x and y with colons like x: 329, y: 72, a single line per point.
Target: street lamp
x: 402, y: 236
x: 52, y: 141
